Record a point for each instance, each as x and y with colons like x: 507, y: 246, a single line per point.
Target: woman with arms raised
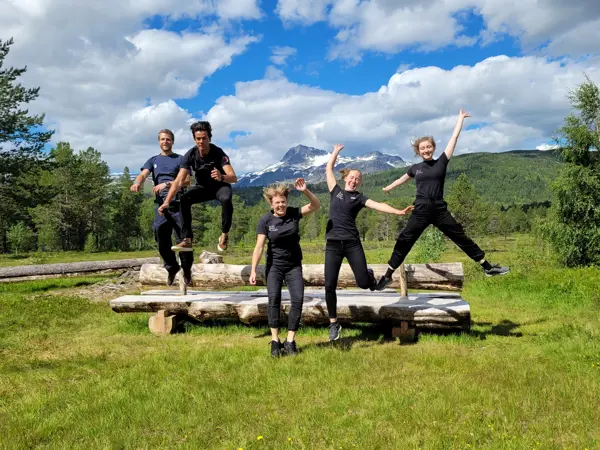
x: 430, y: 207
x: 343, y: 239
x: 280, y: 227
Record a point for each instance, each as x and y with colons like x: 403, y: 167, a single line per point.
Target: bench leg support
x: 405, y: 332
x: 162, y: 324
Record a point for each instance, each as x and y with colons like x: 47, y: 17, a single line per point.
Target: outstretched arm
x: 256, y: 255
x: 175, y: 186
x: 139, y: 180
x: 462, y: 115
x: 403, y: 179
x: 329, y: 175
x: 385, y: 208
x: 314, y: 203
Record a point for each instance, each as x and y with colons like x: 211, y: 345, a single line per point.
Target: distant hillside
x: 514, y: 177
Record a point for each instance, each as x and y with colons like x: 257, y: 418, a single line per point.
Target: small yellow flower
x: 289, y: 439
x: 259, y: 438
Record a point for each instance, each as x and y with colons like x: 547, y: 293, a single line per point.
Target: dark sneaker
x: 290, y: 348
x: 275, y: 349
x: 372, y: 278
x: 187, y: 278
x: 496, y: 270
x: 334, y: 331
x: 171, y: 277
x: 223, y: 241
x: 183, y: 246
x: 383, y: 283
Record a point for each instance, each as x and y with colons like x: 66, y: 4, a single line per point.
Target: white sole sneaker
x: 182, y: 249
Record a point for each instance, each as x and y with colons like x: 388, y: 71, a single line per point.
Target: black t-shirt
x: 429, y: 177
x: 163, y: 168
x: 203, y: 166
x: 283, y: 234
x: 344, y: 207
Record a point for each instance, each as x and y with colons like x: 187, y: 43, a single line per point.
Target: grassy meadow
x: 73, y: 374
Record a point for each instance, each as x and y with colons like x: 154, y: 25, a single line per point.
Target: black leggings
x: 432, y: 213
x: 335, y: 251
x: 197, y: 194
x: 295, y: 284
x: 164, y: 226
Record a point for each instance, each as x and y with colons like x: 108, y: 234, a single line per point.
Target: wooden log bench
x: 405, y: 313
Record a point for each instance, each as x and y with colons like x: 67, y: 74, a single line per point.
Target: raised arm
x: 403, y: 179
x: 175, y: 186
x: 139, y: 180
x: 385, y: 208
x: 256, y: 255
x: 329, y: 175
x: 314, y: 203
x: 462, y: 115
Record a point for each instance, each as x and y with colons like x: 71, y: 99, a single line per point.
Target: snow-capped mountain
x: 309, y: 163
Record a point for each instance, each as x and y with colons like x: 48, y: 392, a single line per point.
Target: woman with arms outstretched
x: 280, y: 227
x: 343, y: 239
x: 430, y: 207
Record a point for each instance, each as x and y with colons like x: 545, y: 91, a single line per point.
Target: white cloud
x: 514, y: 101
x: 99, y: 66
x: 389, y: 26
x: 281, y: 54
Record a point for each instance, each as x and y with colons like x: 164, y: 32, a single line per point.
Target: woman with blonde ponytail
x: 343, y: 239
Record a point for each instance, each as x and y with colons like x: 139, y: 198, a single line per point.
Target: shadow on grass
x: 503, y: 328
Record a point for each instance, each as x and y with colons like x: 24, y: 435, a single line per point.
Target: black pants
x: 295, y: 284
x: 197, y: 194
x: 335, y: 251
x: 164, y: 226
x: 432, y: 213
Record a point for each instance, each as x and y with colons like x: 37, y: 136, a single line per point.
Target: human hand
x: 338, y: 147
x: 463, y: 114
x: 216, y: 175
x: 252, y: 277
x: 300, y: 184
x: 162, y: 207
x: 159, y: 187
x: 135, y: 187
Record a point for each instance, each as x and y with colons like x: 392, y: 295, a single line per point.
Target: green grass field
x: 73, y: 374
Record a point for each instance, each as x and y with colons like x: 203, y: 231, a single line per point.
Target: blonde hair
x: 345, y: 171
x: 276, y: 190
x: 415, y: 144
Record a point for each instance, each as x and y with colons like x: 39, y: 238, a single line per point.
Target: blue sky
x: 272, y: 74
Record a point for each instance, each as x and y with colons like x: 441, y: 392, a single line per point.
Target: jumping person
x: 164, y: 169
x: 284, y: 259
x: 214, y: 176
x: 430, y: 207
x: 343, y: 239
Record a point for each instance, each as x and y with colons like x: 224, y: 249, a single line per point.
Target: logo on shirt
x: 352, y: 198
x: 340, y: 196
x: 155, y: 166
x: 272, y: 228
x: 418, y: 172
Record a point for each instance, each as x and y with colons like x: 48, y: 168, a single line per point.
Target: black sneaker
x: 187, y: 278
x: 171, y: 277
x: 496, y: 270
x: 290, y: 348
x: 334, y: 331
x: 372, y: 278
x: 276, y: 349
x: 383, y: 283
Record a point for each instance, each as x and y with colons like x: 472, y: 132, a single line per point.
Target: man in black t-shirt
x: 214, y: 174
x: 164, y: 169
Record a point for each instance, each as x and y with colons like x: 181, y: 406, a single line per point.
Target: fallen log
x: 432, y: 310
x: 39, y: 270
x: 438, y: 276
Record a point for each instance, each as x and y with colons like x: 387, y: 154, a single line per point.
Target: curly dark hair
x: 202, y: 125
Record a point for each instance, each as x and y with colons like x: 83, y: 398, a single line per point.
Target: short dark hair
x: 202, y: 125
x: 166, y: 131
